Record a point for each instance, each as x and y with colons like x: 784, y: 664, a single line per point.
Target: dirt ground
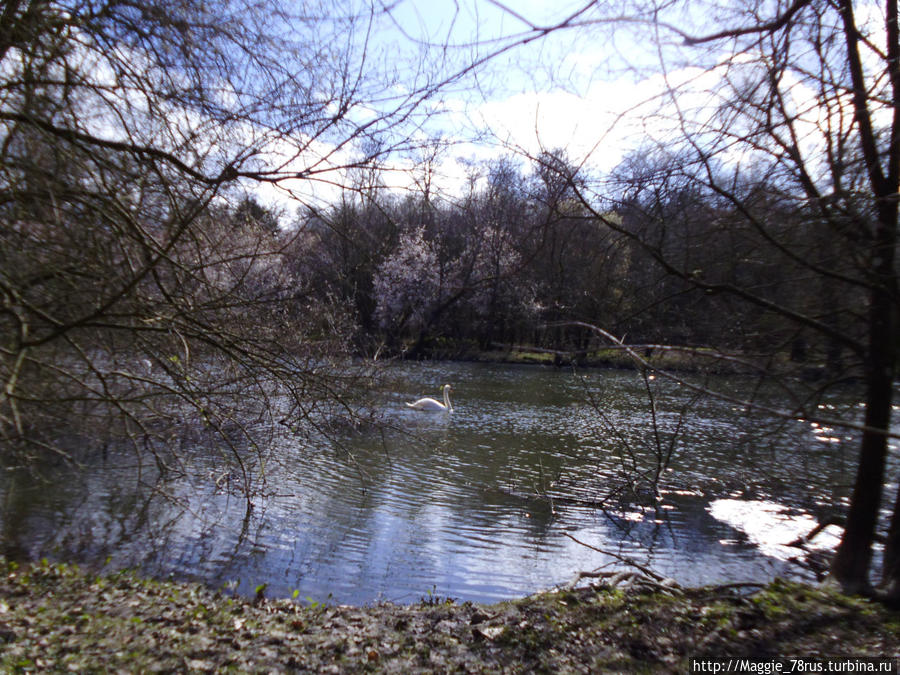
x: 57, y: 618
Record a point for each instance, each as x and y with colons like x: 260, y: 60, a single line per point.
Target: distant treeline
x: 525, y: 252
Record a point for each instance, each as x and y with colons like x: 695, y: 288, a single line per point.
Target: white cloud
x: 607, y: 117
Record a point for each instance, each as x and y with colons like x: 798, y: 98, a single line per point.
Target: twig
x: 646, y: 571
x: 803, y: 540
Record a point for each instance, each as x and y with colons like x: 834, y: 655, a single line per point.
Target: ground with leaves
x: 58, y: 618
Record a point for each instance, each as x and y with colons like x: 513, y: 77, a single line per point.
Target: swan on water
x: 432, y: 405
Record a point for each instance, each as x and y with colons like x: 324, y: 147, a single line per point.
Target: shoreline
x: 676, y: 359
x: 55, y: 617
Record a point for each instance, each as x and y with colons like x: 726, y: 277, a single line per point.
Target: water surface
x: 479, y: 505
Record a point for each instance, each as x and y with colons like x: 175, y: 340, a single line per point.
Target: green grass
x: 57, y: 618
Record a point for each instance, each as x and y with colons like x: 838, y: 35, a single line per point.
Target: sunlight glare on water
x: 773, y: 527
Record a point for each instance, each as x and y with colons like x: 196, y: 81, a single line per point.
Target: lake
x: 483, y: 504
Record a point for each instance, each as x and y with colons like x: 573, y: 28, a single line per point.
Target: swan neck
x: 447, y: 399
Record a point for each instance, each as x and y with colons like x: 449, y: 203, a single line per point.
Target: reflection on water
x: 475, y: 505
x: 774, y: 528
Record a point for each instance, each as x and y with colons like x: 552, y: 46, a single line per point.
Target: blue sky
x: 567, y: 89
x: 579, y: 89
x: 595, y: 90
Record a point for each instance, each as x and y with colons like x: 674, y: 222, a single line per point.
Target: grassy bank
x: 609, y: 358
x: 678, y: 359
x: 56, y: 618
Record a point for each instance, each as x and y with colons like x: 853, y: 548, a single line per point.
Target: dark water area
x: 481, y: 504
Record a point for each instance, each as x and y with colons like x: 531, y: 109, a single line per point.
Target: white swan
x: 431, y: 405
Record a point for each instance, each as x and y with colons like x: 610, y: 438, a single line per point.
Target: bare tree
x: 138, y: 284
x: 787, y: 117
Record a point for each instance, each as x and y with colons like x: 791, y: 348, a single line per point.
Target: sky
x: 567, y: 89
x: 562, y: 90
x: 597, y: 90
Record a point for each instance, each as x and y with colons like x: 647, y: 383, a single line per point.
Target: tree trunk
x: 850, y: 567
x: 851, y: 564
x: 891, y: 572
x: 890, y: 580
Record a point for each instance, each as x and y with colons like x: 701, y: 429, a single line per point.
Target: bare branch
x: 775, y: 24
